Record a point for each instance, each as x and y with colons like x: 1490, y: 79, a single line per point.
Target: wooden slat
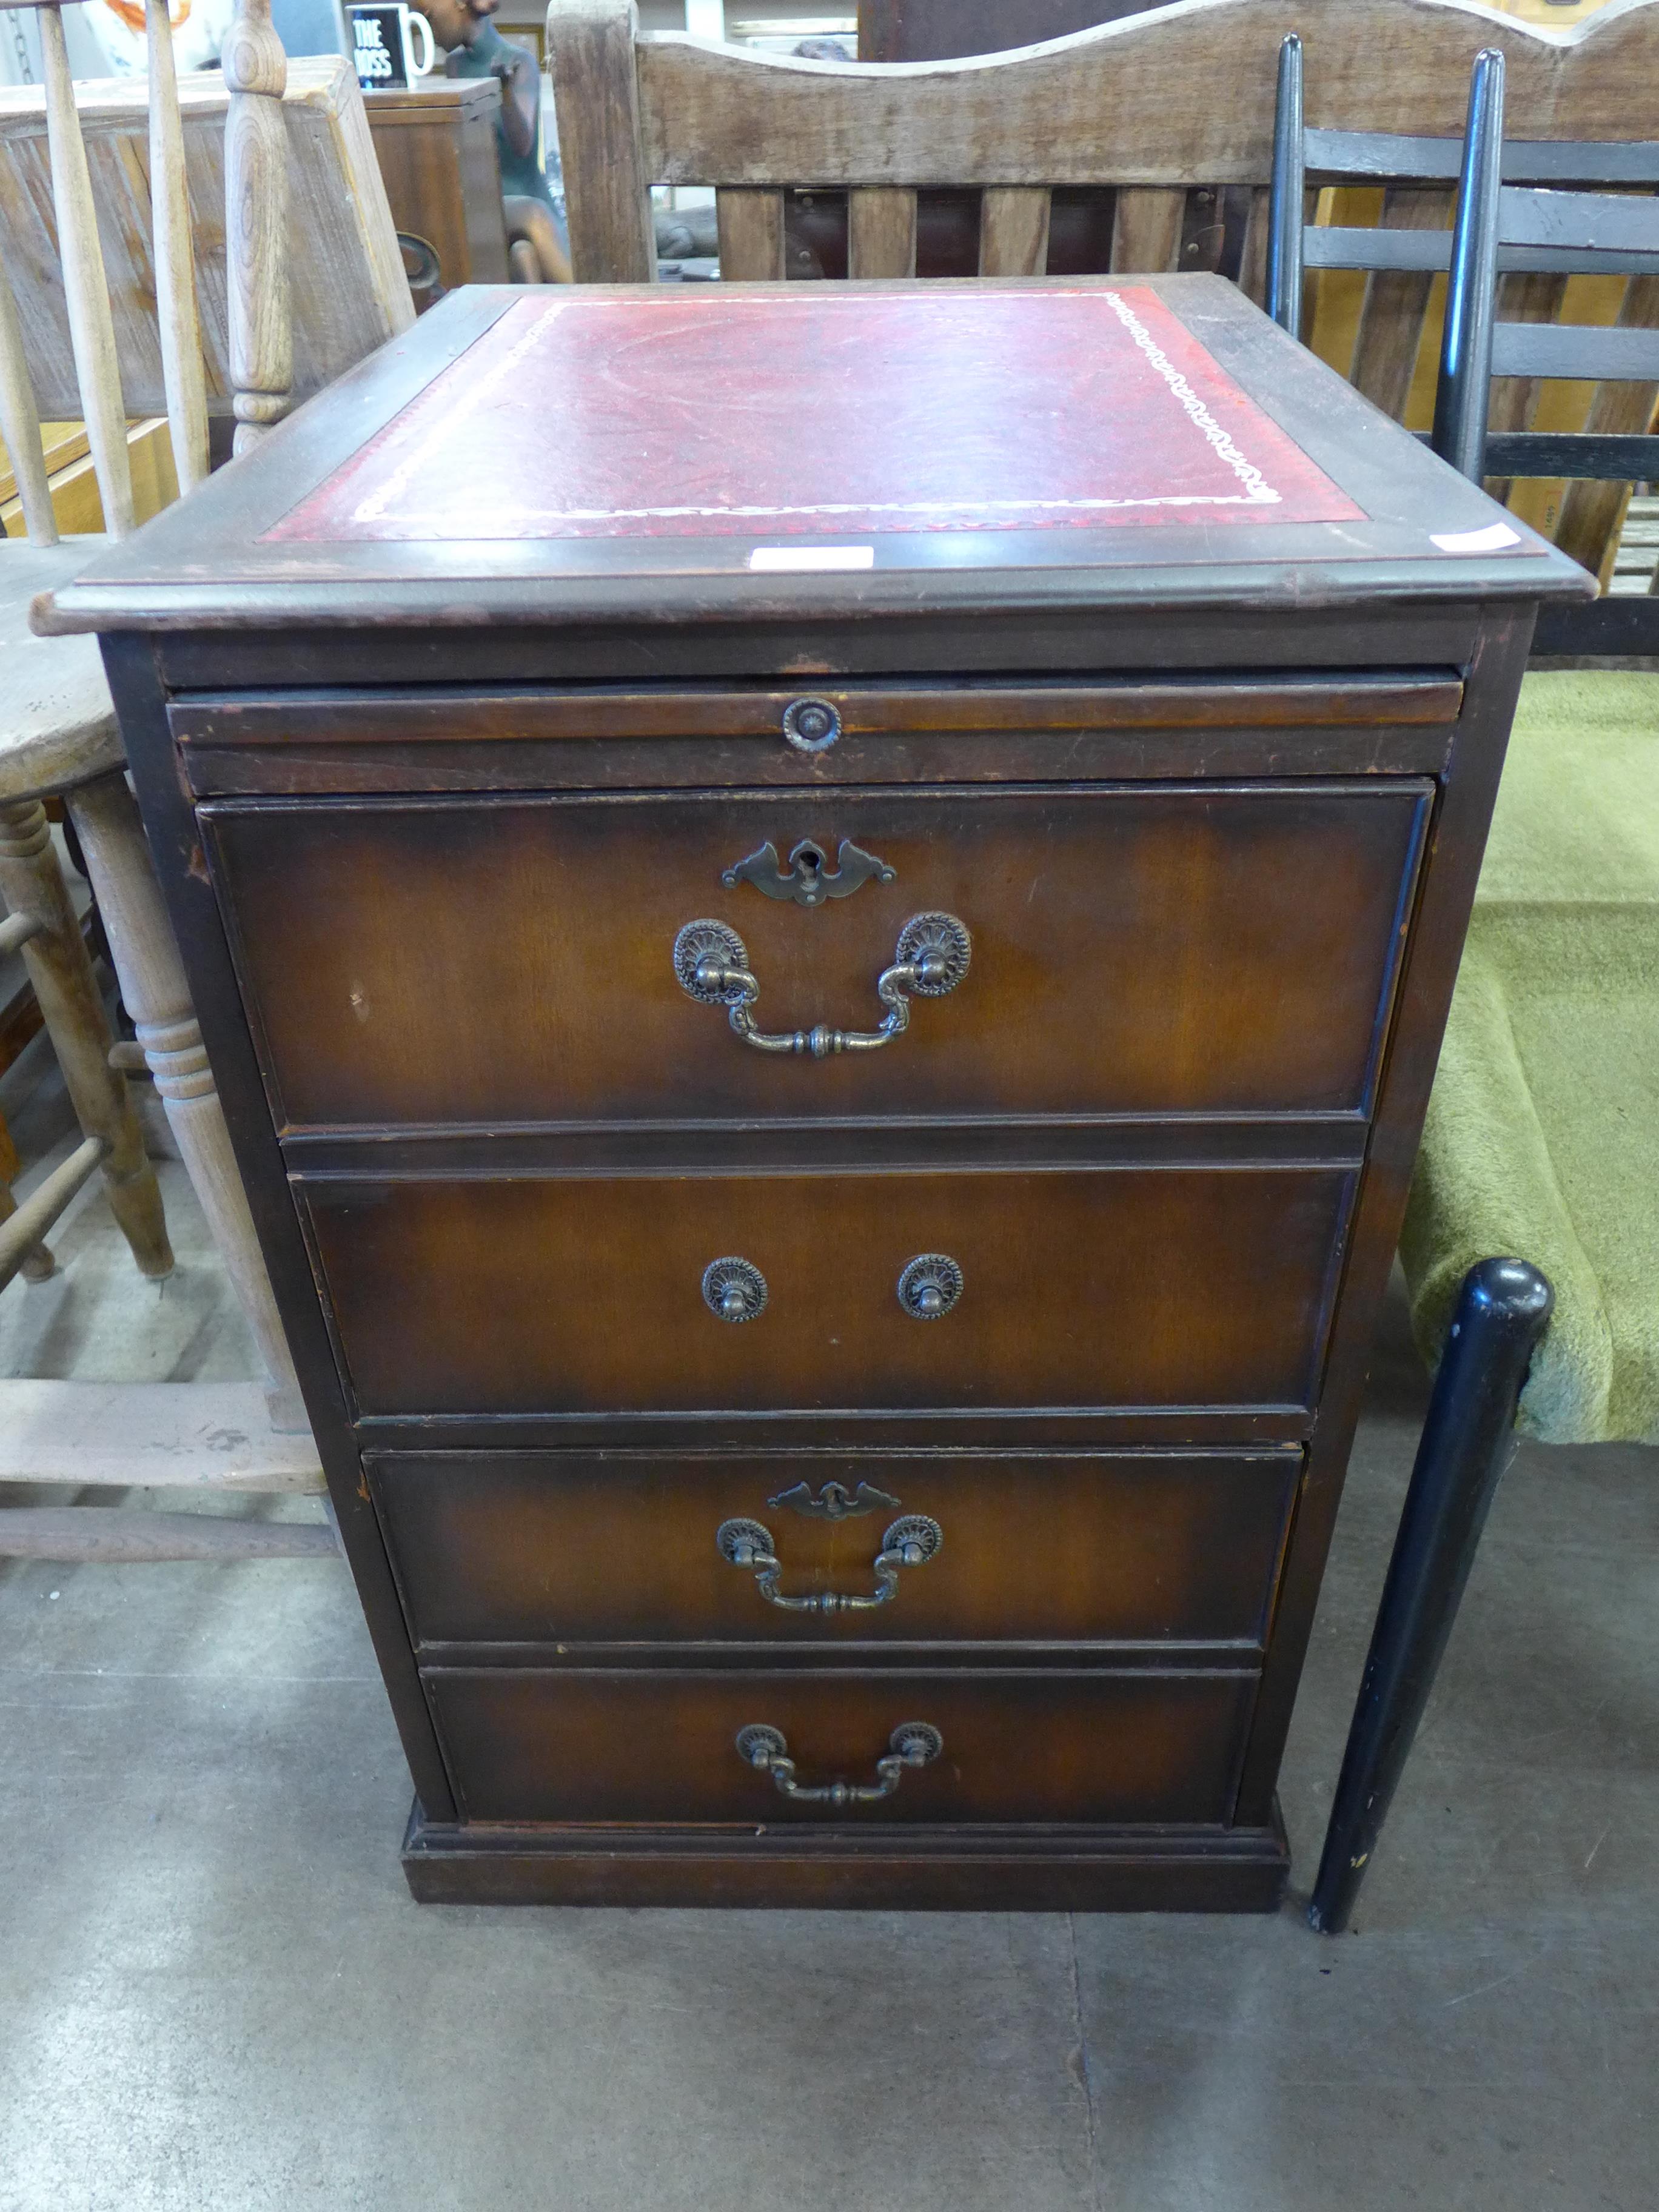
x: 255, y: 70
x: 1391, y: 319
x: 178, y: 329
x: 881, y: 231
x: 1514, y: 398
x: 1581, y: 222
x: 20, y: 424
x: 1386, y: 154
x: 1336, y: 246
x: 750, y: 226
x: 1013, y: 231
x: 194, y: 1436
x: 1173, y: 97
x: 1146, y: 231
x: 1575, y: 350
x: 1592, y: 511
x: 91, y: 330
x: 106, y: 1535
x: 1253, y: 266
x: 607, y: 194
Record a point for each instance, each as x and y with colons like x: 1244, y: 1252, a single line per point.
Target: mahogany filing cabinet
x: 824, y: 915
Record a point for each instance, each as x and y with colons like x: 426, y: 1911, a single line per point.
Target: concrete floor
x: 216, y: 1993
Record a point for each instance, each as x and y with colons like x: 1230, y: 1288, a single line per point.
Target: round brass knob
x: 733, y: 1289
x: 811, y: 725
x: 929, y: 1285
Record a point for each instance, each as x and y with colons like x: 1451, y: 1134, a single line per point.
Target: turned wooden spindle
x: 20, y: 424
x: 256, y: 223
x: 157, y: 997
x: 86, y: 293
x: 178, y: 325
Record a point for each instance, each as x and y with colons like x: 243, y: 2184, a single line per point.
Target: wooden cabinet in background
x: 436, y: 147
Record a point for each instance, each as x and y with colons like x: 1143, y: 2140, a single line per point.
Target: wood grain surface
x: 661, y: 1746
x: 1117, y: 104
x: 1197, y: 949
x: 1047, y: 1547
x: 1200, y: 1287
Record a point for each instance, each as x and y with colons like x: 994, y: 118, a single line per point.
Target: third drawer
x: 1059, y: 1547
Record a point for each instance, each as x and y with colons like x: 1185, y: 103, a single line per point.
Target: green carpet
x: 1542, y: 1137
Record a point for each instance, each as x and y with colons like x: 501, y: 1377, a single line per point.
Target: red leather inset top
x: 815, y: 410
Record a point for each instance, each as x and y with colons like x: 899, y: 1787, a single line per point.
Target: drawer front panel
x: 662, y: 1746
x: 1131, y: 1547
x: 1107, y: 1287
x: 1191, y: 949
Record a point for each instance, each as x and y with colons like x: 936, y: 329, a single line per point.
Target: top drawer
x: 1195, y: 949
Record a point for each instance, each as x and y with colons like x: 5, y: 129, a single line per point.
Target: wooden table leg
x: 1502, y: 1313
x: 32, y: 883
x: 154, y: 993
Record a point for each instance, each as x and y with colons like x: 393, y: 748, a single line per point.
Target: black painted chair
x: 1559, y: 227
x: 1504, y: 1309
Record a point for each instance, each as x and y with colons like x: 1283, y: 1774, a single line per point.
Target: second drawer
x: 1205, y: 1287
x: 652, y: 1547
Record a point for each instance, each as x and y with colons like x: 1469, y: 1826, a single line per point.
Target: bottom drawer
x: 1035, y: 1745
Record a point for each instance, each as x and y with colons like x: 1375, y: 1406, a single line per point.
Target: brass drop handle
x: 711, y: 965
x: 910, y: 1541
x: 913, y: 1743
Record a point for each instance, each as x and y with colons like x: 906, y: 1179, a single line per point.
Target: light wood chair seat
x: 59, y: 727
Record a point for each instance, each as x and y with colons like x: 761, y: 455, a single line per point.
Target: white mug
x: 383, y: 36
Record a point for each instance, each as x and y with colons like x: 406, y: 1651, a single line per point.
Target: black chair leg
x: 1503, y: 1310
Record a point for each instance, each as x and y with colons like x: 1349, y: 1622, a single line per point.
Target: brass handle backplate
x: 711, y: 965
x: 733, y: 1289
x: 913, y: 1743
x: 910, y: 1541
x: 811, y: 725
x: 929, y: 1285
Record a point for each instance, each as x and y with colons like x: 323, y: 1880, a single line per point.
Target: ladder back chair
x: 58, y: 733
x: 1502, y: 226
x: 1413, y: 245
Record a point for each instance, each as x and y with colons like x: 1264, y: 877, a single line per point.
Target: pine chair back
x: 147, y: 317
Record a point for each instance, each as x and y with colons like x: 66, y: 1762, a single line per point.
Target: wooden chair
x: 1555, y: 234
x: 347, y: 290
x: 1522, y: 278
x: 60, y: 736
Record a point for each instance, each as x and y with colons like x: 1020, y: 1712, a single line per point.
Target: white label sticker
x: 1492, y: 540
x: 776, y: 558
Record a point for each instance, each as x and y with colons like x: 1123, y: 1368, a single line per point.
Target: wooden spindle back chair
x: 58, y: 730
